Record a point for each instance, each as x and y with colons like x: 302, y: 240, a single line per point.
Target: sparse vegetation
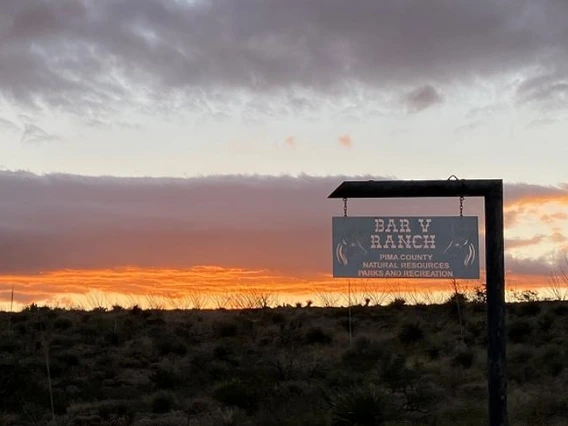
x: 405, y: 364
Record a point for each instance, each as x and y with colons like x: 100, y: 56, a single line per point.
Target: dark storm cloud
x: 283, y: 224
x: 92, y: 56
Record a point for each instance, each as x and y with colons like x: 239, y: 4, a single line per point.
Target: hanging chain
x: 345, y: 207
x: 461, y: 196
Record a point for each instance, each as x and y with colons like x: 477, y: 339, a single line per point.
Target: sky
x: 190, y: 145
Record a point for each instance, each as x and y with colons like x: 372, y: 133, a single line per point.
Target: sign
x: 406, y: 247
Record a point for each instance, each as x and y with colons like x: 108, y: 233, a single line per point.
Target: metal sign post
x: 492, y: 192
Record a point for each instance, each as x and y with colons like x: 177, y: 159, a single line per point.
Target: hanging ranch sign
x: 406, y: 247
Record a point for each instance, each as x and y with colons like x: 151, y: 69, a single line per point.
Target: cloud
x: 35, y: 134
x: 553, y: 217
x: 422, y: 98
x: 468, y: 127
x: 345, y: 141
x: 290, y: 141
x: 281, y: 224
x: 521, y: 195
x: 95, y: 58
x: 541, y: 266
x: 524, y: 242
x: 548, y: 90
x: 8, y: 126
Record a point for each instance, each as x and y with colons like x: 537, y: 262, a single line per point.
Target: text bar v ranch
x: 406, y: 247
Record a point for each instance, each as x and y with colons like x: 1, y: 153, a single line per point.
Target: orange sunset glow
x: 212, y: 287
x: 197, y: 242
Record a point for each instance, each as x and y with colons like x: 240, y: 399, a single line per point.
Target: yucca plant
x: 363, y: 406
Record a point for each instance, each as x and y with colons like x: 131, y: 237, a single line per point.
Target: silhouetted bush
x: 560, y: 310
x: 553, y: 360
x: 163, y: 402
x: 316, y: 335
x: 528, y: 309
x: 364, y: 354
x: 62, y: 324
x: 411, y: 333
x: 363, y: 406
x: 167, y: 344
x: 546, y: 322
x: 519, y: 331
x: 234, y: 393
x: 398, y: 302
x: 225, y: 328
x: 163, y: 378
x: 280, y: 367
x: 463, y: 358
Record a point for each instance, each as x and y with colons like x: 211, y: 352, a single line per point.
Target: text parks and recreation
x: 406, y: 247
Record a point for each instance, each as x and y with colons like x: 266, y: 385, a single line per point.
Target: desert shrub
x: 316, y: 335
x: 277, y: 317
x: 547, y: 407
x: 88, y: 333
x: 346, y: 324
x: 112, y: 338
x: 521, y: 366
x: 411, y: 333
x: 546, y: 322
x: 479, y: 296
x: 20, y: 317
x: 165, y: 378
x: 526, y: 296
x: 62, y: 324
x: 552, y: 360
x: 167, y: 344
x: 57, y: 368
x: 235, y: 393
x: 136, y: 310
x: 155, y: 321
x: 19, y: 382
x: 363, y: 406
x: 364, y: 354
x: 560, y: 310
x: 60, y: 402
x: 434, y: 351
x: 397, y: 302
x: 455, y: 300
x: 519, y: 331
x: 163, y: 402
x: 528, y: 309
x: 115, y: 409
x: 225, y: 328
x: 395, y: 373
x: 464, y: 358
x: 9, y: 343
x: 476, y: 327
x: 91, y: 389
x: 224, y: 352
x: 290, y: 333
